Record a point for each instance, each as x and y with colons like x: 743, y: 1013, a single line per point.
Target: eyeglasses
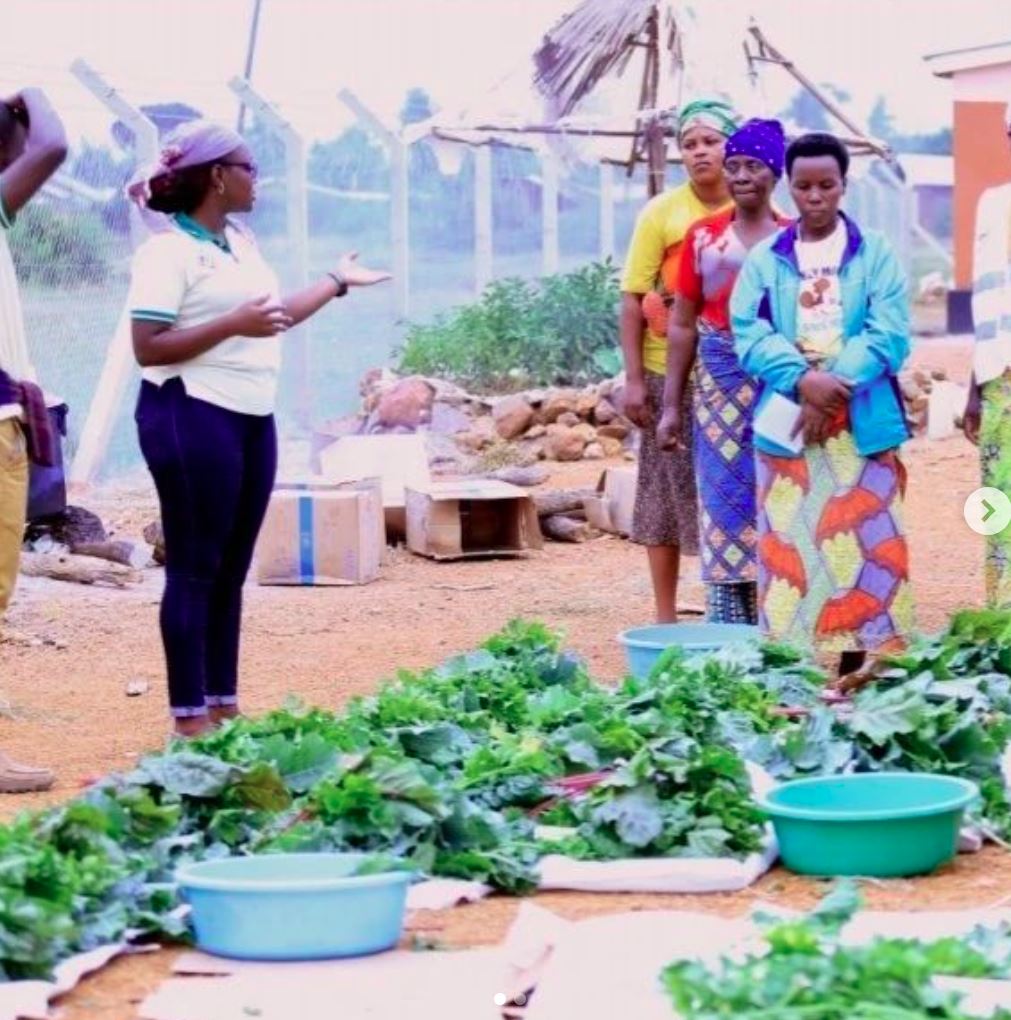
x: 251, y: 168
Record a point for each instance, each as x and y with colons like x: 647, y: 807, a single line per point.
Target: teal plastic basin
x: 644, y: 645
x: 293, y: 906
x: 879, y: 824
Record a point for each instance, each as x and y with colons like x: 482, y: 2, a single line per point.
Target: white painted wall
x: 983, y: 84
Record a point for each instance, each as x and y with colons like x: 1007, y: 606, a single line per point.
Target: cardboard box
x: 611, y: 508
x: 317, y: 483
x: 318, y: 533
x: 398, y: 460
x: 468, y: 519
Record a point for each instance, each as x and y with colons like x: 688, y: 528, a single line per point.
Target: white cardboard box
x: 610, y: 509
x: 398, y: 460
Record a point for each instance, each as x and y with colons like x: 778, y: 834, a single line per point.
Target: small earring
x: 221, y: 189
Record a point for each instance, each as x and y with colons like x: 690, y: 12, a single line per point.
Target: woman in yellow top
x: 665, y: 519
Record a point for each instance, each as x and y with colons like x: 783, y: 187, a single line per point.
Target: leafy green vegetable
x: 674, y: 799
x: 807, y: 973
x: 185, y: 773
x: 302, y: 761
x: 444, y: 771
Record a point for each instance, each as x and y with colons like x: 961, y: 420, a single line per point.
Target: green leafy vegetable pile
x: 480, y: 767
x: 438, y: 771
x: 944, y: 706
x: 807, y: 973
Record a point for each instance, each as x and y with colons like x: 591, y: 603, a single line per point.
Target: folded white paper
x: 776, y: 421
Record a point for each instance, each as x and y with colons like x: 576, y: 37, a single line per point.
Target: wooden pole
x: 606, y: 211
x: 634, y: 155
x: 656, y: 148
x: 769, y: 53
x: 563, y: 528
x: 453, y: 134
x: 483, y: 244
x: 82, y: 569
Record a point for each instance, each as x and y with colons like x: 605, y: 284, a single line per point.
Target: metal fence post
x: 549, y: 212
x: 398, y: 149
x: 483, y: 242
x: 119, y: 361
x: 297, y: 341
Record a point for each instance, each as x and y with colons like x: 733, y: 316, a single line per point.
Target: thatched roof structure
x: 599, y: 38
x: 580, y: 109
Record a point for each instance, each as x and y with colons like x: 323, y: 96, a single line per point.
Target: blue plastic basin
x: 881, y: 824
x: 644, y: 645
x: 293, y: 906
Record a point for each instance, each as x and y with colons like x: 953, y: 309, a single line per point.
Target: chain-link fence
x: 72, y: 248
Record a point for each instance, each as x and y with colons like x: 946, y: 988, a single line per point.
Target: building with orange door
x: 981, y: 91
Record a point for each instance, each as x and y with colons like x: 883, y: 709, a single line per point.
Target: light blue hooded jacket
x: 763, y: 316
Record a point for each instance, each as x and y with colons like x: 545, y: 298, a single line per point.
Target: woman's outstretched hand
x: 355, y: 275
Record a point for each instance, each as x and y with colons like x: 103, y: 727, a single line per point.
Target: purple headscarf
x: 192, y: 144
x: 762, y: 139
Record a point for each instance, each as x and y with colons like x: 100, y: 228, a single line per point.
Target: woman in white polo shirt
x: 207, y: 323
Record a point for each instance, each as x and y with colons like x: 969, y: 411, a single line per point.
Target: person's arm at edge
x: 44, y: 152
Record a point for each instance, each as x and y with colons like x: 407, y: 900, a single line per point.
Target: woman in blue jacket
x: 820, y: 319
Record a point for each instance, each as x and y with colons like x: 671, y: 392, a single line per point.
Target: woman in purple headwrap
x: 713, y: 253
x: 207, y: 321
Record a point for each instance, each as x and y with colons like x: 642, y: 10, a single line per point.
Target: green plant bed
x: 563, y: 329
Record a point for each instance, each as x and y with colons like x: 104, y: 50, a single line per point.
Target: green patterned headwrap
x: 711, y: 113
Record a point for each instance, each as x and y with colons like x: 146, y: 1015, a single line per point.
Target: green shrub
x: 61, y: 249
x: 562, y: 330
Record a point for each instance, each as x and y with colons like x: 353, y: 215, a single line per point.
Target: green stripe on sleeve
x: 152, y: 315
x: 6, y: 221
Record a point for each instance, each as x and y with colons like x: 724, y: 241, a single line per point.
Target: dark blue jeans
x: 214, y: 471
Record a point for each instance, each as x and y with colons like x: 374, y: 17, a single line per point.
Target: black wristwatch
x: 342, y: 284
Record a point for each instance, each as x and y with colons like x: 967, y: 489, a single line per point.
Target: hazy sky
x: 460, y: 50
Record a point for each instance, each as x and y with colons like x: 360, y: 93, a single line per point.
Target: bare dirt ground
x: 67, y: 708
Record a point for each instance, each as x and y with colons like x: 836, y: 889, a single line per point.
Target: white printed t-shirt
x: 14, y: 359
x: 819, y: 301
x: 186, y: 277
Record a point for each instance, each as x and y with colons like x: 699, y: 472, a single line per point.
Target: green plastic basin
x: 880, y: 824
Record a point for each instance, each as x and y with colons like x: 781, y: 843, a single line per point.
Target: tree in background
x: 165, y: 116
x: 353, y: 161
x: 266, y: 146
x: 807, y: 112
x: 417, y: 107
x: 882, y: 125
